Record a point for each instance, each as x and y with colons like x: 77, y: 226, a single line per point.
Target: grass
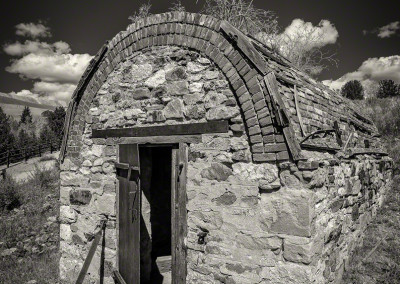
x: 28, y: 223
x: 378, y: 259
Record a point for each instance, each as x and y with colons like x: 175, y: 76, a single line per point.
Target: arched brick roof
x: 271, y: 93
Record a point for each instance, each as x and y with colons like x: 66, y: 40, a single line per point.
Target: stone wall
x: 248, y: 222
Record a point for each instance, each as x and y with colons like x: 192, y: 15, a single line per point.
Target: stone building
x: 212, y: 157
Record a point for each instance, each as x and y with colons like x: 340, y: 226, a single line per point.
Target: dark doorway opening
x: 155, y: 224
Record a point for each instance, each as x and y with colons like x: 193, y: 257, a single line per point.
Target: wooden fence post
x: 51, y: 148
x: 8, y: 158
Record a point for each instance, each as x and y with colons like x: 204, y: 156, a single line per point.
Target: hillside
x: 14, y: 107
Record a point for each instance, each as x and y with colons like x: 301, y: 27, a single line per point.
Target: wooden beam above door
x: 164, y: 130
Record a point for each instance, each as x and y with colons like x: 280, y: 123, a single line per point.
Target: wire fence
x: 17, y: 155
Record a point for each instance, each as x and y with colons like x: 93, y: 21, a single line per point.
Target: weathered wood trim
x: 366, y: 151
x: 118, y: 278
x: 315, y: 133
x: 348, y: 141
x: 296, y: 102
x: 282, y: 115
x: 179, y: 214
x: 245, y: 46
x: 320, y: 147
x: 162, y: 139
x: 164, y: 130
x: 129, y: 217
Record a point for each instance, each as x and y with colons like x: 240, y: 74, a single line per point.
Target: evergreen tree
x: 353, y: 90
x: 56, y: 122
x: 26, y: 116
x: 6, y: 137
x: 387, y: 88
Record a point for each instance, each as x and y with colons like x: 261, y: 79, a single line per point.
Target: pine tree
x: 26, y: 116
x: 56, y: 122
x: 6, y: 137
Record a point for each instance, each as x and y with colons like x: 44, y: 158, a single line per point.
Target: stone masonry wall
x: 247, y: 222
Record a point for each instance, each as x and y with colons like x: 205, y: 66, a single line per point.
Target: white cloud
x: 52, y: 67
x: 57, y: 91
x: 389, y: 30
x: 29, y: 96
x: 32, y: 30
x: 36, y: 47
x: 371, y: 72
x: 307, y: 34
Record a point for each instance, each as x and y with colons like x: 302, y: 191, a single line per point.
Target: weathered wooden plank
x: 164, y: 130
x: 282, y: 115
x: 90, y: 255
x: 319, y: 147
x: 364, y: 151
x: 179, y: 227
x: 173, y: 139
x: 245, y: 45
x: 118, y: 278
x: 128, y: 217
x: 348, y: 141
x: 296, y: 102
x: 174, y: 184
x: 315, y: 133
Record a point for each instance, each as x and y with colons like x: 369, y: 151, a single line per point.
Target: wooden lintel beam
x: 164, y: 130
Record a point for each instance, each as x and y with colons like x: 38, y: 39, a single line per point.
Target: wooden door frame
x: 178, y: 213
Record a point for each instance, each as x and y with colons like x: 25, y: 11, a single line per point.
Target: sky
x: 46, y: 44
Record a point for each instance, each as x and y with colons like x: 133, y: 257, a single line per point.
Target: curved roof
x: 284, y: 109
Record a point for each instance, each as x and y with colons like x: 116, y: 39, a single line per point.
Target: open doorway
x: 152, y: 213
x: 155, y: 223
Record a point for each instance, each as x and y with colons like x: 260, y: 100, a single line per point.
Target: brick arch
x: 200, y: 33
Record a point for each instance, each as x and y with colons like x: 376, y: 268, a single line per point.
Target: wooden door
x: 129, y: 213
x: 179, y: 213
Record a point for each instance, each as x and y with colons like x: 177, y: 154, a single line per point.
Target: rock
x: 32, y: 282
x: 132, y: 113
x: 156, y: 80
x: 105, y: 204
x: 288, y: 211
x: 73, y: 179
x: 177, y: 88
x: 216, y: 171
x: 80, y: 197
x: 194, y: 67
x: 228, y: 198
x: 190, y: 99
x: 298, y: 250
x: 210, y: 75
x: 174, y: 109
x: 195, y: 112
x: 287, y: 273
x: 67, y: 214
x: 196, y: 87
x: 221, y: 112
x: 140, y: 72
x: 213, y: 99
x: 141, y: 93
x: 175, y: 74
x: 65, y: 232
